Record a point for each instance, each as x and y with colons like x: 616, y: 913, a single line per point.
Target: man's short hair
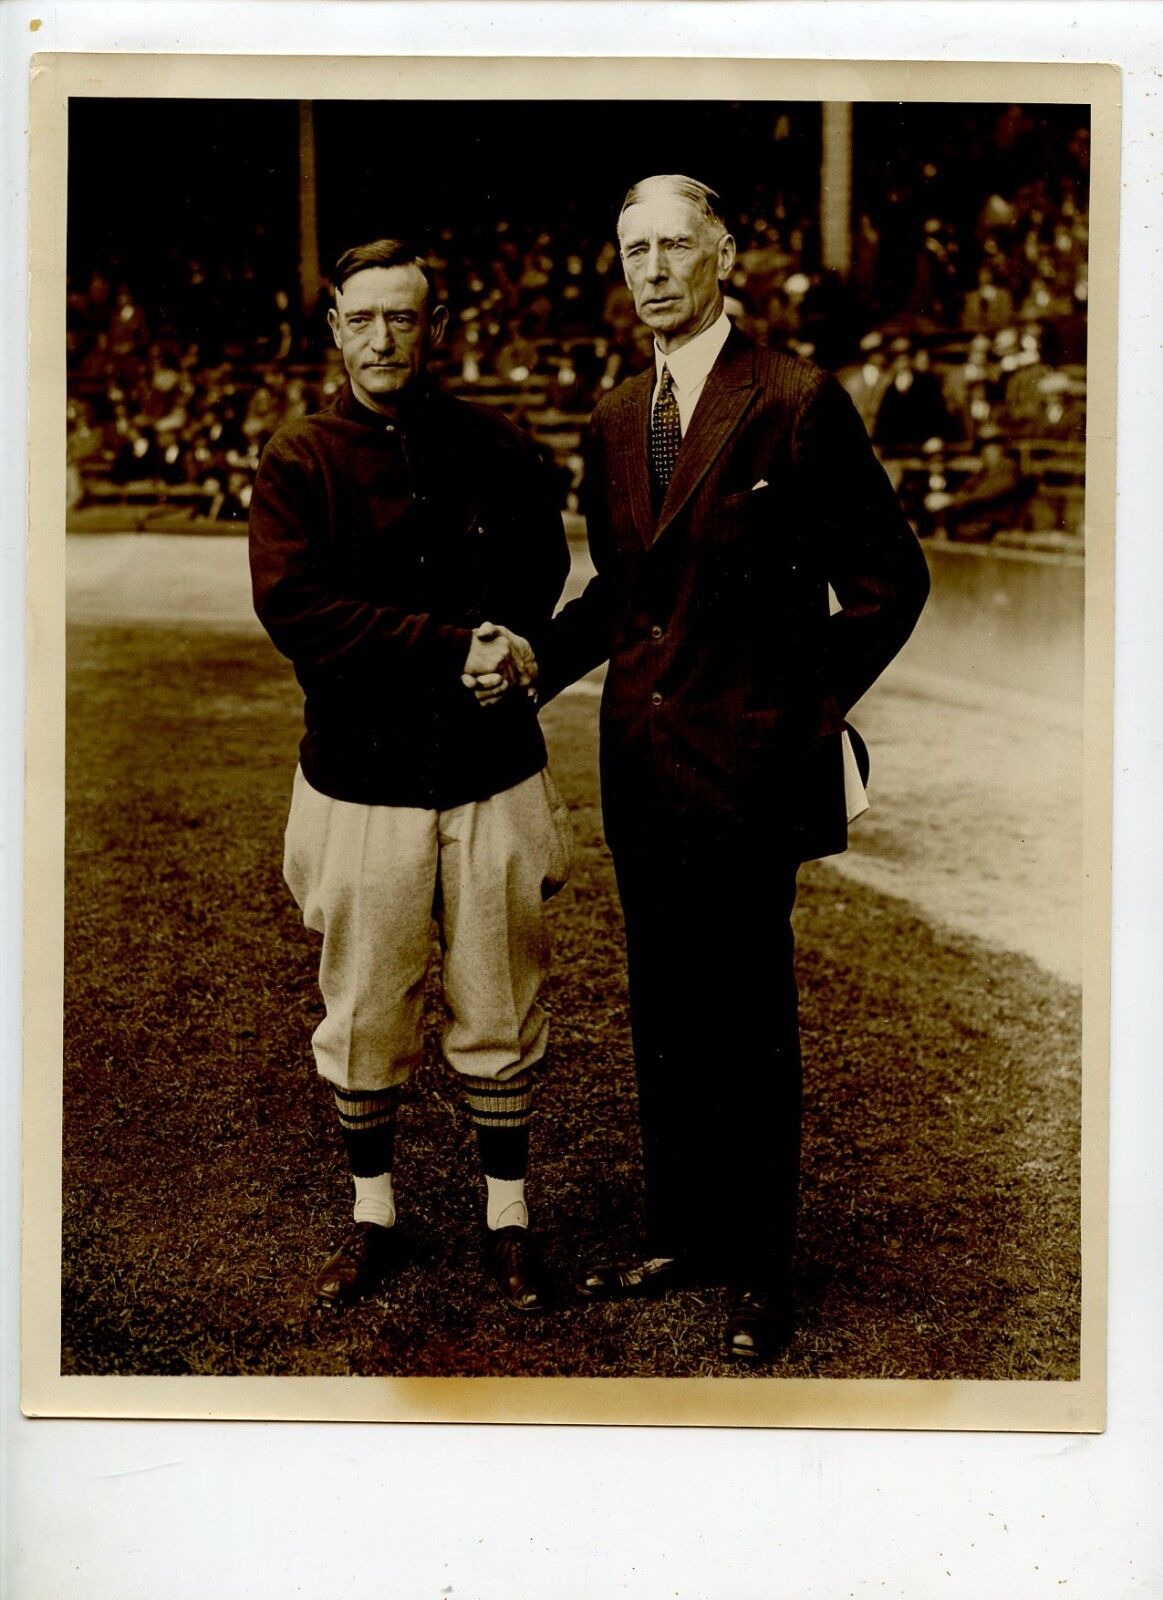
x: 700, y: 195
x: 381, y: 253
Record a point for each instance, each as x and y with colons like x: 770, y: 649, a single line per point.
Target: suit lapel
x: 726, y: 396
x: 634, y: 447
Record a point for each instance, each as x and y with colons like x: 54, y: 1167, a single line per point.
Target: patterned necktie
x: 665, y: 433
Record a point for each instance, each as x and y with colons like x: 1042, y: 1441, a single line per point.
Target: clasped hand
x: 498, y: 661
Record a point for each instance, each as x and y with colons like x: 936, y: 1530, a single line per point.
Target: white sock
x: 506, y: 1203
x: 374, y: 1200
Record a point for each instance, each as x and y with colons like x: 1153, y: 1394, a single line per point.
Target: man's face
x: 382, y: 323
x: 674, y: 261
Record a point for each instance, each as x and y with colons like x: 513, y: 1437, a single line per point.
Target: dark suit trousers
x: 714, y: 1019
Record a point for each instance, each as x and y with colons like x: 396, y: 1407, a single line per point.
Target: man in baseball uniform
x: 390, y: 537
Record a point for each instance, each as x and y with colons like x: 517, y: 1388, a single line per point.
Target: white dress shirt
x: 690, y: 366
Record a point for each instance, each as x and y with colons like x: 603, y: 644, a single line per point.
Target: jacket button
x: 655, y: 699
x: 656, y: 632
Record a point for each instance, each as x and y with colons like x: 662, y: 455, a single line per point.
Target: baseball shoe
x: 357, y: 1268
x: 512, y: 1260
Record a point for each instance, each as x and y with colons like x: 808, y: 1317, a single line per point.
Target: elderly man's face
x: 383, y: 325
x: 674, y: 260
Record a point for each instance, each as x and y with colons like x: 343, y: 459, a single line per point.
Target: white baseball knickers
x: 370, y: 879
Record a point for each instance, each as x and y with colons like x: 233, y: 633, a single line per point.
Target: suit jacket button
x: 656, y: 632
x: 655, y: 699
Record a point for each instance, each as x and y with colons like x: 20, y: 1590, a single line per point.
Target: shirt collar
x: 691, y: 363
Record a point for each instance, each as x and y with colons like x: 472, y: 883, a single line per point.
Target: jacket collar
x: 417, y: 405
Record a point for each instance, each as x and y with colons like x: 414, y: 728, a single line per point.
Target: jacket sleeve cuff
x: 547, y: 682
x: 452, y: 646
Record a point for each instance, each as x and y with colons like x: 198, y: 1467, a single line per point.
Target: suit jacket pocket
x: 792, y: 727
x: 738, y: 497
x: 764, y: 730
x: 728, y: 517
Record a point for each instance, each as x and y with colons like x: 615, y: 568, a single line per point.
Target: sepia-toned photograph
x: 576, y: 742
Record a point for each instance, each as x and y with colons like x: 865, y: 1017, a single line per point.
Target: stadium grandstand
x: 935, y: 258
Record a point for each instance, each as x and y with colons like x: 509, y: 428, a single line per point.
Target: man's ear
x: 726, y: 256
x: 333, y: 324
x: 437, y: 325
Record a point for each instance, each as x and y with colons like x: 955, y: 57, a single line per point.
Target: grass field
x: 203, y: 1178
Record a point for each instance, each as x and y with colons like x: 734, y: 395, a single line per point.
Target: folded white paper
x: 855, y: 795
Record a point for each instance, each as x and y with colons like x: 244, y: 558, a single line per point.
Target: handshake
x: 498, y: 661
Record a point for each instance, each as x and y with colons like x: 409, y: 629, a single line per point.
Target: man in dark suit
x: 728, y: 487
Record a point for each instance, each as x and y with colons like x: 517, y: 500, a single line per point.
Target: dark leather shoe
x: 625, y: 1280
x: 760, y: 1323
x: 357, y: 1267
x: 511, y: 1258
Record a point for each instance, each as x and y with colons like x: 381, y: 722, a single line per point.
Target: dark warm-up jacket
x: 729, y: 681
x: 376, y: 545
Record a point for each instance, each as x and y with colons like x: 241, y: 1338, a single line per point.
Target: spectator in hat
x: 912, y: 409
x: 987, y: 501
x: 867, y: 379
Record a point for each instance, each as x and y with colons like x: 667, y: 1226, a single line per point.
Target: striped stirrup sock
x: 367, y: 1121
x: 501, y: 1111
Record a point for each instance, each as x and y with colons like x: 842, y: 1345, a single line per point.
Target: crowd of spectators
x: 177, y: 379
